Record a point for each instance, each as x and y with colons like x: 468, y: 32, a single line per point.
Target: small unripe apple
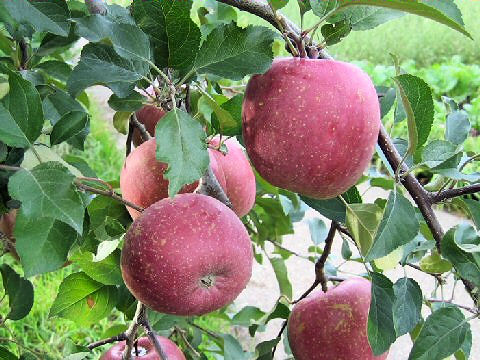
x: 149, y: 115
x: 189, y: 255
x: 310, y: 126
x: 240, y: 186
x: 141, y: 178
x: 146, y: 350
x: 333, y: 325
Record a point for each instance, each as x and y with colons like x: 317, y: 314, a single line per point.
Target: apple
x: 142, y: 181
x: 333, y: 325
x: 149, y: 115
x: 146, y: 350
x: 310, y: 126
x: 187, y: 255
x: 235, y: 168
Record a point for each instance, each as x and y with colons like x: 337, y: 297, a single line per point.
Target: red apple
x: 239, y: 177
x: 146, y: 351
x: 189, y: 255
x: 310, y: 126
x: 333, y: 325
x: 142, y: 181
x: 149, y: 115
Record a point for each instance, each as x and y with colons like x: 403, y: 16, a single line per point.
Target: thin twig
x: 141, y: 128
x: 181, y: 332
x: 128, y: 144
x: 210, y: 186
x: 469, y: 309
x: 452, y: 193
x: 143, y: 321
x: 280, y: 246
x: 206, y: 331
x: 131, y: 332
x: 23, y: 54
x: 10, y: 168
x: 116, y: 338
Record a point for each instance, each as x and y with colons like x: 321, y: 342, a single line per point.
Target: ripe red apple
x: 239, y: 177
x: 149, y: 115
x: 310, y: 126
x: 146, y: 351
x: 189, y: 255
x: 142, y: 182
x: 333, y: 325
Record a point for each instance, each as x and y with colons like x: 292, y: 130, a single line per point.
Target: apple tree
x: 232, y: 133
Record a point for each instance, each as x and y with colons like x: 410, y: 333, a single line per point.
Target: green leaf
x: 466, y: 264
x: 7, y: 355
x: 398, y: 226
x: 21, y: 115
x: 417, y: 100
x: 121, y: 120
x: 366, y: 17
x: 387, y: 101
x: 128, y: 40
x: 69, y: 126
x: 380, y: 328
x: 83, y: 300
x: 322, y: 7
x: 442, y: 335
x: 174, y: 36
x: 228, y: 115
x: 263, y: 350
x: 280, y: 270
x: 232, y: 349
x: 334, y: 33
x: 247, y: 315
x: 464, y: 352
x: 474, y: 209
x: 48, y: 191
x: 362, y: 222
x: 444, y: 12
x: 458, y: 127
x: 278, y: 4
x: 318, y: 230
x: 181, y: 144
x: 59, y: 103
x: 107, y: 271
x: 437, y: 152
x: 19, y: 292
x: 435, y: 264
x: 42, y: 243
x: 131, y: 103
x: 100, y: 65
x: 56, y: 69
x: 333, y: 209
x: 407, y: 305
x: 467, y: 238
x: 346, y: 252
x: 44, y: 15
x: 232, y: 52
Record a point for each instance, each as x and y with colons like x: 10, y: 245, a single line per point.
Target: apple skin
x: 142, y: 181
x: 141, y: 178
x: 149, y: 115
x: 333, y: 325
x: 238, y: 174
x: 189, y: 255
x: 168, y: 346
x: 310, y: 126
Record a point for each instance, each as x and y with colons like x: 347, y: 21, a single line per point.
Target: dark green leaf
x: 474, y: 209
x: 181, y: 144
x: 467, y: 238
x: 44, y: 15
x: 333, y: 209
x: 70, y: 125
x: 83, y: 300
x: 19, y: 292
x: 56, y: 69
x: 232, y: 349
x: 264, y: 349
x: 407, y: 305
x: 387, y: 101
x: 230, y: 119
x: 362, y: 222
x: 100, y: 64
x: 131, y: 103
x: 59, y: 103
x: 334, y: 33
x: 51, y: 43
x: 442, y: 335
x: 42, y: 243
x: 464, y: 352
x: 465, y: 263
x: 322, y: 7
x: 418, y: 102
x: 22, y: 116
x: 247, y: 315
x: 444, y: 12
x: 232, y: 52
x: 280, y: 270
x: 175, y: 37
x: 381, y: 330
x: 7, y: 355
x: 398, y: 227
x: 48, y: 191
x: 437, y: 152
x: 457, y: 127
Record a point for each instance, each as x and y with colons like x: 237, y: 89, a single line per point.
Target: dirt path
x: 262, y: 291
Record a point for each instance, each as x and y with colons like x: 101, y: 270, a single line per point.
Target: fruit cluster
x: 309, y: 126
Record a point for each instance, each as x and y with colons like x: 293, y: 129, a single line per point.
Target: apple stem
x: 120, y: 337
x: 210, y: 186
x: 142, y: 320
x: 143, y: 131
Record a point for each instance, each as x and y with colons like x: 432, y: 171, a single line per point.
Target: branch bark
x: 116, y: 338
x: 143, y: 131
x: 452, y: 193
x: 96, y: 7
x: 210, y: 186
